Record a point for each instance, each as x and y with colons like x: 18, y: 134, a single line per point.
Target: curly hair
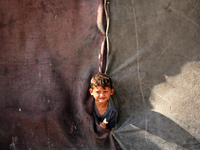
x: 102, y: 80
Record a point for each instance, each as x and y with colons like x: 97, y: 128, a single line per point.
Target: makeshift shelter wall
x: 154, y: 60
x: 49, y: 52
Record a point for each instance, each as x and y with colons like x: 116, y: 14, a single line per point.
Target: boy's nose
x: 101, y: 94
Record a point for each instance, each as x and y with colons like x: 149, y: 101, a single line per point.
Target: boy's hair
x: 102, y: 80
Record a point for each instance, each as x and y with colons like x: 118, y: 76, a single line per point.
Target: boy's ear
x: 112, y: 91
x: 90, y: 90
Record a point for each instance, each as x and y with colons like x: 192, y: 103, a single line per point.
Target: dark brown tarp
x: 49, y: 50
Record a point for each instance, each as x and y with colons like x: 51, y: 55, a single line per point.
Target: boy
x: 104, y: 112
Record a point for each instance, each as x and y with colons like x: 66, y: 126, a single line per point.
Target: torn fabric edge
x: 103, y: 24
x: 106, y: 7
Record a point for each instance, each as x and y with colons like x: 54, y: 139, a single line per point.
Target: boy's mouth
x: 101, y: 99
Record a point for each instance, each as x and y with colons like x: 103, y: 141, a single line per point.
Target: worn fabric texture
x: 49, y: 52
x: 154, y: 61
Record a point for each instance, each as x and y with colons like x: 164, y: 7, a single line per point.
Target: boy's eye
x: 105, y: 91
x: 97, y: 92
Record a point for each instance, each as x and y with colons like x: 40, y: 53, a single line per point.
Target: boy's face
x: 100, y: 94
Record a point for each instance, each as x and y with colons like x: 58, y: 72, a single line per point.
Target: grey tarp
x: 49, y: 50
x: 154, y: 60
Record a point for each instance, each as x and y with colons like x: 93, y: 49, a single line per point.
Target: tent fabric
x: 49, y: 52
x: 154, y: 61
x: 51, y: 49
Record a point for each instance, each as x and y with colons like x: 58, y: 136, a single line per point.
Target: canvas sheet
x: 49, y: 52
x: 154, y: 60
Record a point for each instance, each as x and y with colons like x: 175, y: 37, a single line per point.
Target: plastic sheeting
x: 49, y: 52
x: 154, y: 60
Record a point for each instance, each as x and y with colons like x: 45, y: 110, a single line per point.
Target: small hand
x: 103, y: 125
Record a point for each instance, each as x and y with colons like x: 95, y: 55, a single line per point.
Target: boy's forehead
x: 101, y: 88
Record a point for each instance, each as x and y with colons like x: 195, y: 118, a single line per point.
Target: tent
x: 51, y: 49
